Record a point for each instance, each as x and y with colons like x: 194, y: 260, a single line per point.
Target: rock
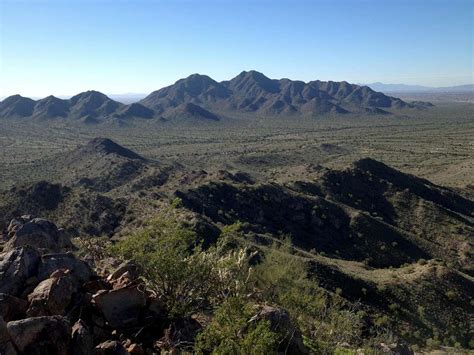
x: 396, y: 349
x: 135, y: 349
x: 4, y: 336
x: 41, y: 335
x: 52, y: 296
x: 82, y: 339
x: 14, y: 225
x: 7, y: 348
x: 80, y: 270
x: 132, y: 270
x: 39, y: 233
x: 17, y: 266
x: 121, y: 307
x: 110, y: 347
x: 281, y: 323
x: 11, y: 307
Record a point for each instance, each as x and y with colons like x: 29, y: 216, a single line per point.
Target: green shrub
x: 183, y: 276
x: 324, y: 320
x: 231, y: 333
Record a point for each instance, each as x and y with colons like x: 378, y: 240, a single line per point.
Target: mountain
x: 190, y: 111
x: 253, y: 92
x: 397, y: 88
x: 16, y: 106
x: 200, y: 97
x: 134, y: 110
x: 51, y: 107
x: 101, y: 164
x: 196, y: 89
x: 92, y: 106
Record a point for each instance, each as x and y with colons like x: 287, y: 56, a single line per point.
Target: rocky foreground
x: 52, y: 302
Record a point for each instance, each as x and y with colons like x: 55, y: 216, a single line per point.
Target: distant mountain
x: 199, y: 97
x: 16, y: 106
x: 193, y: 112
x: 88, y: 107
x: 51, y: 107
x: 253, y: 92
x: 418, y: 88
x: 135, y: 110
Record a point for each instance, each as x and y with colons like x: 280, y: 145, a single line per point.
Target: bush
x: 231, y: 333
x: 324, y: 320
x: 183, y: 276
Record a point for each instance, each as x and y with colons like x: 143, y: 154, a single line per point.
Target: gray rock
x: 16, y: 267
x: 80, y: 270
x: 82, y: 339
x: 39, y: 233
x: 121, y: 307
x: 129, y: 267
x: 41, y: 335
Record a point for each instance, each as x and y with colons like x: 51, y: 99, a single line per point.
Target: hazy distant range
x: 419, y: 88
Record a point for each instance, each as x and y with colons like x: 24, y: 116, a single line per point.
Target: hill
x: 397, y: 243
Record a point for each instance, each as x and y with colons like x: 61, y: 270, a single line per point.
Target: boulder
x: 281, y: 323
x: 132, y: 270
x: 82, y: 339
x: 80, y: 270
x: 52, y: 296
x: 11, y: 307
x: 41, y: 335
x: 396, y: 349
x: 110, y: 347
x: 39, y: 233
x: 4, y: 336
x: 7, y: 348
x: 16, y: 267
x: 135, y: 349
x: 121, y: 307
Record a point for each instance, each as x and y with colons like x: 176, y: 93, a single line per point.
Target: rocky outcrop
x: 52, y: 296
x: 53, y: 303
x: 41, y: 335
x: 121, y: 307
x: 11, y: 307
x: 18, y: 266
x: 37, y: 232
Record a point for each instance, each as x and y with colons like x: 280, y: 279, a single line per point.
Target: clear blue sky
x: 63, y: 47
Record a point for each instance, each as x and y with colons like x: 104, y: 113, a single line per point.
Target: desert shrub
x: 92, y: 248
x: 325, y: 320
x: 183, y: 276
x: 173, y: 264
x: 230, y: 331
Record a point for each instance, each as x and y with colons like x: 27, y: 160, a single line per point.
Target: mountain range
x: 202, y: 98
x: 396, y: 88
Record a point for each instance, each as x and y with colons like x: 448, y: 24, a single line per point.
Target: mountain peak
x: 16, y: 106
x: 250, y: 82
x: 89, y: 95
x: 107, y: 146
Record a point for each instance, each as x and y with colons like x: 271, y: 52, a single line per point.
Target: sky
x: 63, y: 47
